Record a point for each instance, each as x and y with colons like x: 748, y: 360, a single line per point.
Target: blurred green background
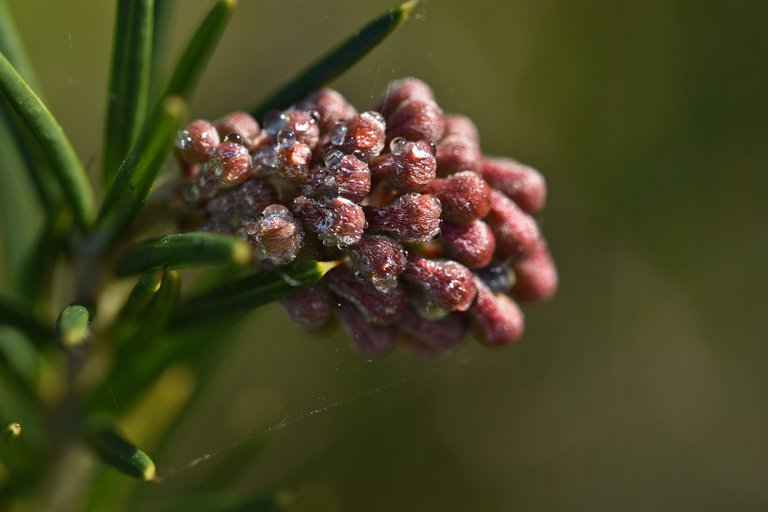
x: 642, y: 386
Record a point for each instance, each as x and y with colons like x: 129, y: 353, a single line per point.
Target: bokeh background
x: 642, y: 386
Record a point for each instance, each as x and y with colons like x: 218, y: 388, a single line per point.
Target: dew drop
x: 338, y: 133
x: 286, y: 138
x: 234, y: 137
x: 183, y: 140
x: 333, y: 157
x: 376, y: 116
x: 420, y: 153
x: 360, y: 155
x: 398, y: 145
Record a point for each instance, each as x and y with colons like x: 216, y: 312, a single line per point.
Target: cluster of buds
x: 436, y: 238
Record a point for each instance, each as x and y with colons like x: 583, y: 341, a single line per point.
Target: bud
x: 536, y: 276
x: 276, y: 235
x: 461, y: 126
x: 310, y: 307
x: 343, y: 175
x: 337, y: 222
x: 331, y: 107
x: 465, y: 197
x: 446, y: 283
x: 239, y: 123
x: 400, y: 91
x: 371, y: 341
x: 293, y: 160
x: 409, y: 167
x: 498, y: 320
x: 245, y: 201
x: 363, y: 135
x: 430, y: 339
x: 296, y: 126
x: 455, y: 154
x: 377, y: 307
x: 516, y: 232
x: 524, y: 185
x: 378, y: 259
x: 230, y: 164
x: 469, y: 244
x: 196, y: 142
x: 417, y: 120
x: 409, y: 218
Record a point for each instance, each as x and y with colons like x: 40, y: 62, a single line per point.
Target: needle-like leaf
x: 129, y: 80
x: 51, y: 140
x: 114, y: 450
x: 184, y: 250
x: 337, y: 61
x: 15, y: 315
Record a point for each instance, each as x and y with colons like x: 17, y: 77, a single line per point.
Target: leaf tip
x: 324, y: 267
x: 405, y: 8
x: 175, y: 106
x: 241, y: 252
x: 13, y: 431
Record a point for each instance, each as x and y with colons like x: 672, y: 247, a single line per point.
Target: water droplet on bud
x: 398, y: 145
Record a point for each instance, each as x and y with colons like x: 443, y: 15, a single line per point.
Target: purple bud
x: 430, y: 339
x: 245, y: 201
x: 372, y: 341
x: 447, y: 283
x: 410, y: 166
x: 516, y: 232
x: 330, y: 106
x: 400, y: 91
x: 378, y: 308
x: 363, y: 135
x: 524, y: 185
x: 498, y: 320
x: 230, y: 163
x: 455, y: 154
x: 196, y: 142
x: 310, y: 307
x: 417, y: 120
x: 536, y: 276
x: 461, y: 126
x: 378, y: 259
x: 240, y: 123
x: 346, y: 177
x: 465, y: 197
x: 470, y: 244
x: 337, y: 222
x: 409, y: 218
x: 276, y: 235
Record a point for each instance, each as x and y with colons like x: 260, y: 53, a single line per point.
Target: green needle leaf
x: 199, y: 48
x: 141, y: 295
x: 136, y: 175
x: 121, y: 454
x: 337, y: 61
x: 51, y: 141
x: 73, y: 326
x: 15, y: 315
x: 249, y: 293
x: 184, y: 250
x: 129, y: 80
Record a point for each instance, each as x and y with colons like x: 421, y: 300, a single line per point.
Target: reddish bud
x: 378, y: 259
x: 470, y: 244
x: 400, y: 91
x: 363, y: 135
x: 293, y: 161
x: 294, y: 126
x: 330, y: 106
x: 196, y: 142
x: 337, y: 222
x: 498, y: 320
x: 516, y: 232
x: 410, y: 166
x: 465, y: 197
x: 536, y: 276
x: 456, y: 154
x: 378, y: 308
x: 446, y: 283
x: 524, y: 185
x: 230, y: 163
x: 310, y: 307
x: 372, y: 341
x: 429, y: 339
x: 417, y: 120
x: 461, y: 126
x: 240, y: 123
x: 409, y: 218
x: 343, y: 175
x: 276, y: 235
x: 245, y: 201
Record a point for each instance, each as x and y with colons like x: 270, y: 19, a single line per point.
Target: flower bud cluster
x: 436, y: 238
